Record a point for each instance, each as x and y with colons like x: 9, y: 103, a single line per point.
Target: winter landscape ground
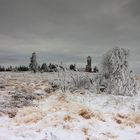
x: 69, y: 69
x: 34, y: 107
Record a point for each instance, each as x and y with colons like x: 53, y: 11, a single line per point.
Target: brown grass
x: 31, y: 119
x: 85, y: 131
x: 86, y: 113
x: 29, y: 115
x: 62, y: 98
x: 131, y: 120
x: 48, y: 90
x: 137, y: 119
x: 67, y: 127
x: 67, y: 118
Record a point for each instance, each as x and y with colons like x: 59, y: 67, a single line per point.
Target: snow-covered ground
x: 56, y: 115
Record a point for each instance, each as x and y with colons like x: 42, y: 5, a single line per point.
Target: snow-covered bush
x: 80, y: 80
x: 74, y: 80
x: 62, y: 79
x: 115, y: 77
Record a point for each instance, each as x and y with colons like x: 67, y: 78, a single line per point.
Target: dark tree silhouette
x: 95, y: 69
x: 33, y: 63
x: 73, y: 67
x: 44, y: 68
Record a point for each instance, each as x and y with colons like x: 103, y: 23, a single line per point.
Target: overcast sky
x: 68, y: 30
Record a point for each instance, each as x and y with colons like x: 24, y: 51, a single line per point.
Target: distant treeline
x: 10, y: 68
x: 35, y: 67
x: 43, y: 68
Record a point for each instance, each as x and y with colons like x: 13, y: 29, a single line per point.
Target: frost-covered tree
x: 44, y: 67
x: 33, y: 63
x: 88, y: 66
x: 73, y: 67
x: 95, y: 69
x: 115, y: 77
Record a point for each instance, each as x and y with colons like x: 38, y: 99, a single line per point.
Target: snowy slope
x: 55, y: 115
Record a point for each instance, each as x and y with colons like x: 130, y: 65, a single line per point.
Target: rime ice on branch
x: 115, y: 76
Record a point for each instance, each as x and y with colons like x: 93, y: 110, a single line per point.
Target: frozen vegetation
x: 115, y: 75
x: 71, y: 105
x: 43, y: 106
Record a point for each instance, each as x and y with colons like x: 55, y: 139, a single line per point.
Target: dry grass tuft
x: 137, y: 119
x: 62, y: 98
x: 128, y: 120
x: 29, y: 115
x: 85, y: 131
x: 67, y: 127
x: 48, y: 90
x: 119, y: 121
x: 86, y: 113
x: 67, y: 118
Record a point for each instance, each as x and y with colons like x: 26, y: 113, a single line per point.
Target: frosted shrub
x: 80, y: 80
x: 115, y: 76
x: 74, y: 80
x: 62, y: 82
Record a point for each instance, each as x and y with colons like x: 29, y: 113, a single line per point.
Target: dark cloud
x: 68, y: 30
x: 132, y: 7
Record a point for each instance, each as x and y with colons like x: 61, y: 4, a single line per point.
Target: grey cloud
x: 69, y: 30
x: 132, y: 8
